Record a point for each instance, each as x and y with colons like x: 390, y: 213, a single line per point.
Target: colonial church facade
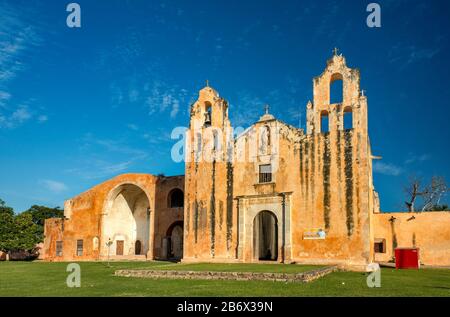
x: 273, y: 192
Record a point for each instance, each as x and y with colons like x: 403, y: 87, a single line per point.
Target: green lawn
x: 49, y: 279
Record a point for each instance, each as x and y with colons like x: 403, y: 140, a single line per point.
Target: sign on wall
x: 314, y: 234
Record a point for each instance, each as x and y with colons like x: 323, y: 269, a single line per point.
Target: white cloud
x: 387, y: 169
x: 4, y: 97
x: 132, y: 126
x: 247, y: 109
x: 22, y: 114
x: 410, y: 54
x: 15, y: 118
x: 417, y: 158
x: 133, y: 95
x: 42, y: 118
x: 95, y: 168
x: 54, y: 186
x: 162, y: 97
x: 175, y: 109
x: 157, y: 95
x: 18, y: 37
x: 97, y: 154
x: 116, y: 95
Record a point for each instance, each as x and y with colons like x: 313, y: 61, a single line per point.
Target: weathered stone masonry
x: 274, y: 192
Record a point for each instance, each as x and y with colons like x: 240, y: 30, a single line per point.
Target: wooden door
x: 119, y: 247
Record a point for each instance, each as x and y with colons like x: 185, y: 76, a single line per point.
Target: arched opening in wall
x: 265, y: 235
x: 208, y: 114
x: 336, y: 89
x: 175, y: 198
x: 174, y: 241
x: 137, y: 247
x: 348, y: 118
x: 126, y: 220
x: 324, y: 122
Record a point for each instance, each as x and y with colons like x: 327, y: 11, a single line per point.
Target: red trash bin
x: 407, y: 258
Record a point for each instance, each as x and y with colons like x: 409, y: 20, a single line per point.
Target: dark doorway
x: 174, y: 238
x: 266, y: 236
x: 137, y: 247
x: 119, y: 247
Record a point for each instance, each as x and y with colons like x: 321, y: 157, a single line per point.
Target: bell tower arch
x: 208, y: 201
x: 352, y: 102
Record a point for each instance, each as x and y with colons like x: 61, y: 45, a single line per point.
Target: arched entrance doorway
x: 137, y: 247
x: 174, y: 241
x: 126, y: 221
x: 265, y: 230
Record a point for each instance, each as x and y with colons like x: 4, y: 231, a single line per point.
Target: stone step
x: 238, y: 276
x: 132, y: 257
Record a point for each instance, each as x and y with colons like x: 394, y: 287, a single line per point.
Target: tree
x: 40, y: 213
x: 5, y: 209
x: 27, y: 233
x: 7, y: 227
x: 433, y: 193
x: 413, y: 191
x: 429, y: 196
x: 23, y: 231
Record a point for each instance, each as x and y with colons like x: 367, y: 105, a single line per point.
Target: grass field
x: 97, y: 279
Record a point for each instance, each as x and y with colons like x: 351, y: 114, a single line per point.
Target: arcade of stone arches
x: 127, y: 228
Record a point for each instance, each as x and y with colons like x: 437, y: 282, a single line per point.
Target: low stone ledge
x: 303, y: 277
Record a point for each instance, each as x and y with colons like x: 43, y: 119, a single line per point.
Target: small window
x: 59, y: 248
x: 176, y: 198
x: 265, y: 173
x: 324, y: 122
x: 95, y: 243
x: 348, y: 118
x: 79, y: 247
x: 380, y: 246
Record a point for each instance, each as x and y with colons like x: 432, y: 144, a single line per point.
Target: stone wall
x: 319, y: 180
x: 235, y: 276
x: 166, y: 216
x: 428, y: 231
x: 90, y: 217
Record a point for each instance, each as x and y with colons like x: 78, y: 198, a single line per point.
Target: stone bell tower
x: 353, y: 102
x: 337, y: 137
x: 208, y: 184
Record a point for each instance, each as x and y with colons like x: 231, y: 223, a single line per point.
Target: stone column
x: 151, y: 235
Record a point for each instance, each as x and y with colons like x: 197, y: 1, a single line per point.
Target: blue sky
x: 79, y: 106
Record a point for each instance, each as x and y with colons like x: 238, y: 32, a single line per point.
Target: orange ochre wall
x: 428, y: 231
x: 84, y: 216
